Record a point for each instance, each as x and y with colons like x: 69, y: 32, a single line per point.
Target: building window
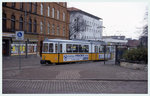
x: 30, y: 25
x: 13, y: 5
x: 41, y: 27
x: 64, y: 4
x: 21, y: 23
x: 35, y: 26
x: 30, y: 7
x: 63, y: 31
x: 21, y: 6
x: 41, y: 9
x: 53, y: 29
x: 57, y: 30
x: 12, y: 23
x: 57, y: 14
x: 4, y: 4
x: 35, y: 7
x: 48, y: 28
x: 4, y: 21
x: 53, y: 12
x: 74, y: 36
x: 63, y: 16
x: 48, y: 12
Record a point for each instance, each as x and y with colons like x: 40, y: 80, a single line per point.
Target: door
x: 6, y: 48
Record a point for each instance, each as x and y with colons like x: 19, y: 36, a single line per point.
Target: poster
x: 75, y: 57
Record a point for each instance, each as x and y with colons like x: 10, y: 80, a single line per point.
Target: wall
x: 37, y: 36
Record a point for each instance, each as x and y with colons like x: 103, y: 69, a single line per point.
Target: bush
x: 134, y: 55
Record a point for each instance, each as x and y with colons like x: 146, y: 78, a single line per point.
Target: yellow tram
x: 61, y: 51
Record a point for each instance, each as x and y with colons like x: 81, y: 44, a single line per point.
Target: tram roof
x: 73, y: 41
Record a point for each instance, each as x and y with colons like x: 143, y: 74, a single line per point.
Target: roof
x: 73, y: 9
x: 114, y: 37
x: 114, y: 40
x: 74, y: 41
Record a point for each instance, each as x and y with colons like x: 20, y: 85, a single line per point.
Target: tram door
x: 96, y: 52
x: 6, y: 48
x: 59, y: 52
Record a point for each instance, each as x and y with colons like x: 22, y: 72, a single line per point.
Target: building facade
x: 115, y: 40
x: 115, y: 37
x: 38, y: 21
x: 84, y: 25
x: 133, y: 43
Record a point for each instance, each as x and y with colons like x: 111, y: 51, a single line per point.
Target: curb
x: 134, y: 66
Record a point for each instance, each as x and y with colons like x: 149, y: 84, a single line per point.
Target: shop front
x: 6, y: 43
x: 6, y: 46
x: 31, y: 48
x: 11, y: 46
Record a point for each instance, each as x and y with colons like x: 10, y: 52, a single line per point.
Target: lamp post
x: 26, y: 42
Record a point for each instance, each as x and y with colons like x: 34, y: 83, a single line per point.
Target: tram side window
x: 80, y: 48
x: 75, y: 48
x: 108, y: 49
x: 96, y: 49
x: 60, y: 48
x: 56, y: 49
x: 45, y: 47
x: 51, y: 47
x: 86, y: 48
x: 101, y: 49
x: 68, y: 47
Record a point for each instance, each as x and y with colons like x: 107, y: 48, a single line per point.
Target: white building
x: 84, y: 25
x: 115, y: 40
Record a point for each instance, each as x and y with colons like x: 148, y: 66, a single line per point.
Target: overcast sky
x: 119, y: 18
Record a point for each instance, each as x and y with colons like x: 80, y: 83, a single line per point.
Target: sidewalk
x: 32, y: 69
x: 12, y: 62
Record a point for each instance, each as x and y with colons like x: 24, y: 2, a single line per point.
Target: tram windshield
x: 45, y: 47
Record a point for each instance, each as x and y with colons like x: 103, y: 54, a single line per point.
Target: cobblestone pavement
x: 86, y: 77
x: 12, y: 62
x: 73, y: 86
x: 87, y: 70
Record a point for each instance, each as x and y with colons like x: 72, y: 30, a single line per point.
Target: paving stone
x: 85, y: 77
x: 73, y: 86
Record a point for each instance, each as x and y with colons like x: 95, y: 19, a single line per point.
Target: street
x: 74, y: 78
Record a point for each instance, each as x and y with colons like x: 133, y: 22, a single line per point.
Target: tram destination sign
x: 19, y: 35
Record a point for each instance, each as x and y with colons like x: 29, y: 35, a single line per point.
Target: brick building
x: 133, y: 43
x: 38, y: 21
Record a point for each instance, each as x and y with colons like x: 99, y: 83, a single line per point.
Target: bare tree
x: 144, y: 36
x: 78, y: 25
x: 145, y: 27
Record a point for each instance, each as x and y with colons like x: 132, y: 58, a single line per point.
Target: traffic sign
x: 19, y: 35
